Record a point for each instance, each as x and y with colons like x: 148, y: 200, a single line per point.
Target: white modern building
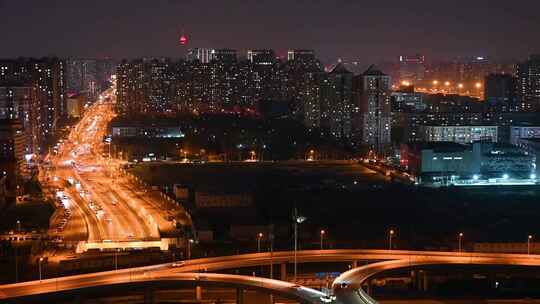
x: 449, y: 162
x: 460, y: 134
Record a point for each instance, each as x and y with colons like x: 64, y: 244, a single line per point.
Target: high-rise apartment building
x: 203, y: 55
x: 224, y: 56
x: 88, y: 76
x: 47, y: 78
x: 301, y: 55
x: 412, y: 68
x: 261, y: 57
x: 372, y: 110
x: 500, y: 92
x: 528, y: 79
x: 340, y: 109
x: 302, y: 82
x: 13, y: 166
x: 21, y: 103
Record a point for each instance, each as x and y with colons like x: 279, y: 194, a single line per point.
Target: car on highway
x: 328, y: 299
x: 178, y: 264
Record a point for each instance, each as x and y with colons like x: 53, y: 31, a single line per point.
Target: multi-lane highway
x: 102, y: 206
x: 347, y: 287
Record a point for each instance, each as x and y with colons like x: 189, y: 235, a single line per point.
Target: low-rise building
x: 532, y: 146
x: 157, y: 128
x: 448, y: 162
x: 222, y: 200
x: 430, y: 158
x: 523, y: 132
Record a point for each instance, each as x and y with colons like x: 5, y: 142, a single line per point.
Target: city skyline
x: 353, y: 31
x: 308, y: 151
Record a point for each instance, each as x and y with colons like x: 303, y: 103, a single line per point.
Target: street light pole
x: 17, y: 254
x: 322, y: 238
x: 460, y: 239
x: 529, y: 244
x: 390, y: 236
x: 259, y: 237
x: 271, y: 236
x: 271, y: 252
x: 295, y: 244
x: 116, y: 259
x: 297, y: 220
x: 39, y: 266
x: 190, y: 241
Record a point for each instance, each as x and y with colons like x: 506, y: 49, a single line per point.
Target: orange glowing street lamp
x: 252, y: 154
x: 39, y: 265
x: 322, y: 233
x: 390, y: 236
x: 311, y: 156
x: 259, y: 237
x: 447, y: 83
x: 529, y: 238
x: 478, y: 85
x: 460, y: 240
x: 435, y: 82
x: 460, y: 85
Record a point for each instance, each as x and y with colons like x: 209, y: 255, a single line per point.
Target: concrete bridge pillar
x: 198, y: 293
x: 239, y: 296
x: 414, y: 279
x: 283, y: 271
x: 424, y: 281
x: 354, y: 264
x: 149, y: 296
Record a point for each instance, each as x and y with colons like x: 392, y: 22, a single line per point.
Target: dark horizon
x: 367, y: 32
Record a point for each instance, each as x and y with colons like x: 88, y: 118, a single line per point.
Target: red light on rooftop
x: 183, y: 40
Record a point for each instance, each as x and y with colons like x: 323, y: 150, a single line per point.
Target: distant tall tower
x: 183, y: 39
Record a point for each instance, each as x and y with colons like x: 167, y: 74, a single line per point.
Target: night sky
x: 350, y: 29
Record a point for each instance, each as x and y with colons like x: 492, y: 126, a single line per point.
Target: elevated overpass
x: 72, y: 290
x: 347, y: 287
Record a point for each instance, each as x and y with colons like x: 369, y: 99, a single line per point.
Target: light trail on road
x: 105, y: 206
